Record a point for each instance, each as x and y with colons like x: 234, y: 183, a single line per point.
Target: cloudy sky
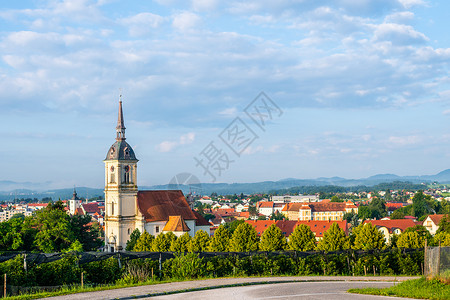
x: 360, y: 87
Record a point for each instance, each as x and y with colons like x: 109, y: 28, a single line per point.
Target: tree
x: 423, y: 233
x: 336, y: 199
x: 277, y: 216
x: 302, y: 239
x: 163, y: 241
x: 364, y: 212
x: 181, y: 243
x: 133, y: 239
x: 87, y: 235
x: 144, y: 242
x: 397, y: 214
x: 368, y: 237
x: 420, y: 204
x: 410, y: 239
x: 75, y: 246
x: 444, y: 225
x: 442, y: 237
x: 333, y: 239
x: 233, y: 225
x: 199, y: 243
x: 220, y: 240
x: 272, y: 239
x: 53, y: 229
x: 244, y: 239
x: 378, y: 208
x: 252, y: 211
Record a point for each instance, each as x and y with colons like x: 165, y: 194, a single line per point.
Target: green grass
x: 416, y: 288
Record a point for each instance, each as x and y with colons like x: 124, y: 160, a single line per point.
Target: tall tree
x: 220, y: 240
x: 333, y: 239
x: 244, y: 239
x: 410, y: 239
x: 181, y: 243
x: 163, y: 241
x: 444, y: 224
x: 272, y: 239
x: 420, y: 204
x: 144, y: 242
x: 302, y: 239
x: 378, y: 208
x: 368, y: 237
x: 133, y: 239
x: 199, y: 243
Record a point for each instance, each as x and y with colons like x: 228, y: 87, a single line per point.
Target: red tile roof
x: 287, y: 226
x: 261, y: 225
x: 436, y: 218
x: 159, y: 205
x: 265, y: 204
x: 200, y: 220
x: 91, y: 208
x: 176, y: 223
x: 401, y: 224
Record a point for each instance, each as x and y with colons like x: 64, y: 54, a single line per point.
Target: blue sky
x: 363, y: 86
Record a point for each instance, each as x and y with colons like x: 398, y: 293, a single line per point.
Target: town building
x: 431, y: 223
x: 318, y: 211
x: 127, y: 208
x: 391, y: 227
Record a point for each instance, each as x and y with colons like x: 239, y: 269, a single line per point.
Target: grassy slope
x: 417, y: 288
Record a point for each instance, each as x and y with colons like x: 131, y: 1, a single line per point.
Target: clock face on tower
x: 112, y: 168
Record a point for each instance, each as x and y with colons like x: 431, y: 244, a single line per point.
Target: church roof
x: 176, y: 223
x: 160, y: 205
x: 120, y: 150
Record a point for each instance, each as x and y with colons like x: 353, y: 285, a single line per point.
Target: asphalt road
x: 305, y: 287
x: 294, y: 290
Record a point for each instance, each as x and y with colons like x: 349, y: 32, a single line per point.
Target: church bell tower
x: 120, y: 190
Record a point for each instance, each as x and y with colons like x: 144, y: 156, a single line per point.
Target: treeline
x: 50, y: 230
x: 333, y: 189
x: 68, y: 270
x: 244, y: 239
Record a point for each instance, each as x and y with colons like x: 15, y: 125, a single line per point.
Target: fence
x: 437, y: 262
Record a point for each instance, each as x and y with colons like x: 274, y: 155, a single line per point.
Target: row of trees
x: 244, y: 238
x: 50, y: 230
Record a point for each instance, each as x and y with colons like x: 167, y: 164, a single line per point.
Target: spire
x: 75, y: 196
x: 120, y: 129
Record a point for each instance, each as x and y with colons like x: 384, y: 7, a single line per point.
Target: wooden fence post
x: 4, y: 287
x: 82, y: 280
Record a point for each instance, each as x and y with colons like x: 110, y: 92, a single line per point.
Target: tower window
x: 112, y: 209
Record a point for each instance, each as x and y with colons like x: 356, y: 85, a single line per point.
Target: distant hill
x: 10, y: 189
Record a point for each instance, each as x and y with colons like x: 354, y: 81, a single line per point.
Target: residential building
x: 431, y: 223
x: 333, y: 211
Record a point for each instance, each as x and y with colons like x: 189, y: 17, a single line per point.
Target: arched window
x: 112, y: 208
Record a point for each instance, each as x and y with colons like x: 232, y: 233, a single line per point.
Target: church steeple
x: 120, y: 129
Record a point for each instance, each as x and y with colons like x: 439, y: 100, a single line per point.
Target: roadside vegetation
x: 417, y: 288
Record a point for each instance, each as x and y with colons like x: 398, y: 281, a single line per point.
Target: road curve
x: 289, y: 287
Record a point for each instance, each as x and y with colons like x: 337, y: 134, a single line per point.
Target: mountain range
x: 10, y: 190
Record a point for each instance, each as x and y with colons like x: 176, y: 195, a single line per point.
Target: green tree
x: 444, y: 225
x: 231, y: 226
x: 144, y: 242
x: 368, y: 237
x: 410, y: 239
x: 333, y: 239
x: 420, y: 204
x: 54, y: 232
x: 133, y: 239
x: 163, y: 241
x: 423, y: 233
x: 364, y: 212
x: 272, y: 239
x: 277, y: 216
x: 378, y: 208
x: 220, y: 240
x: 200, y: 242
x: 302, y: 239
x: 244, y: 239
x: 335, y: 198
x: 397, y: 214
x: 75, y: 246
x: 181, y: 243
x: 442, y: 237
x: 88, y: 235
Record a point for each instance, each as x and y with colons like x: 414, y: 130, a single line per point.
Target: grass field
x: 417, y: 288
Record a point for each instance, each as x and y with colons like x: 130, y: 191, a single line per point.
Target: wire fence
x: 437, y: 262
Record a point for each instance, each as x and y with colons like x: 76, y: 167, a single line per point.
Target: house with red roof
x: 431, y: 223
x: 391, y: 227
x: 318, y: 211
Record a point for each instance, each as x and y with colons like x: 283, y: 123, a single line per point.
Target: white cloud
x: 166, y: 146
x: 404, y: 140
x: 185, y: 21
x: 204, y: 5
x: 398, y: 34
x: 142, y: 23
x: 187, y: 138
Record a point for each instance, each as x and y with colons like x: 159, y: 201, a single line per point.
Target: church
x: 127, y: 208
